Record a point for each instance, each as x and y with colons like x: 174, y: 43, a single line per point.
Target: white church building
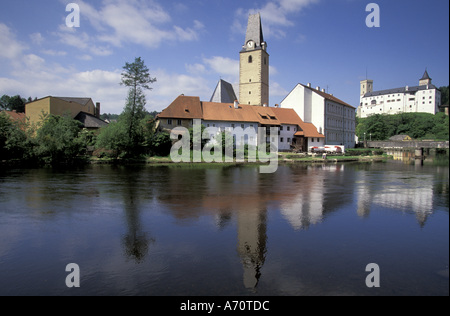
x: 424, y: 98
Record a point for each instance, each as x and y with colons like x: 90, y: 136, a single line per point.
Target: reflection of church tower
x: 254, y: 65
x: 252, y: 240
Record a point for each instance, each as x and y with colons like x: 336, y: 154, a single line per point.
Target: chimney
x: 236, y: 104
x: 277, y: 106
x: 97, y: 109
x: 265, y: 105
x: 318, y: 88
x: 407, y: 88
x: 323, y: 90
x: 309, y: 85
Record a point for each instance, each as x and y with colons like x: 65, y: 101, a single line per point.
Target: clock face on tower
x: 250, y: 44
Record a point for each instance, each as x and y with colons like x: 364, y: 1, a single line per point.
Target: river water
x: 305, y: 230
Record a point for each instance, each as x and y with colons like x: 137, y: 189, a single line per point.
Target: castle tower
x: 254, y: 65
x: 366, y: 86
x: 425, y: 80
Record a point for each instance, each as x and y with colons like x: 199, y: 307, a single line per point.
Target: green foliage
x: 136, y: 76
x: 415, y: 125
x: 15, y: 103
x: 57, y: 140
x: 14, y: 142
x: 113, y: 137
x: 444, y: 95
x: 161, y: 144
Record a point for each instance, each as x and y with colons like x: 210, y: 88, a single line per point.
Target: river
x: 306, y: 230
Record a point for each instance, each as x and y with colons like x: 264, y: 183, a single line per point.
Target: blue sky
x: 189, y: 45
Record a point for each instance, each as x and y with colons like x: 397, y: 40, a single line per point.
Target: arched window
x: 250, y: 59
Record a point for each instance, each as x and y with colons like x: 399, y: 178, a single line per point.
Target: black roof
x: 90, y: 121
x: 411, y: 90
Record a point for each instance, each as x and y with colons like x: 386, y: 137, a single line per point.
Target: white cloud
x: 37, y: 38
x: 224, y: 66
x: 146, y: 23
x: 10, y: 47
x: 52, y: 52
x: 276, y: 15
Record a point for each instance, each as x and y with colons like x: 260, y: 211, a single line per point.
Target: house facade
x: 244, y: 121
x: 83, y: 108
x: 333, y: 118
x: 424, y: 98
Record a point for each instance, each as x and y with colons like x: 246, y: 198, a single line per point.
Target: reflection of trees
x: 135, y: 241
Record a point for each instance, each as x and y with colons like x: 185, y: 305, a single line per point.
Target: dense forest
x: 416, y: 125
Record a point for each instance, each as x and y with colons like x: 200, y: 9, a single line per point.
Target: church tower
x: 254, y: 65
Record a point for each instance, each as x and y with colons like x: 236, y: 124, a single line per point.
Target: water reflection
x: 157, y: 218
x: 135, y: 241
x: 401, y: 190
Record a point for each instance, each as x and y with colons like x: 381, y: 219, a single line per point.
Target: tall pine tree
x: 136, y: 77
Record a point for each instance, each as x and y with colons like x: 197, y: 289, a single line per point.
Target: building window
x: 281, y: 140
x: 265, y: 61
x: 288, y: 140
x: 250, y: 59
x: 243, y: 126
x: 288, y: 128
x: 281, y: 128
x: 179, y: 122
x: 169, y: 122
x: 232, y: 125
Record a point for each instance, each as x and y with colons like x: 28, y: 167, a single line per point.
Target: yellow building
x: 37, y: 110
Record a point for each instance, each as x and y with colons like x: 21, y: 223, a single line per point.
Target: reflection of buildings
x: 252, y: 244
x: 411, y: 195
x: 306, y: 207
x: 307, y: 202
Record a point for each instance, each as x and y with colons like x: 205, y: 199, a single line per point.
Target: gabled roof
x: 15, y: 115
x: 411, y: 90
x: 244, y: 113
x: 309, y: 130
x: 290, y: 117
x: 183, y: 107
x: 82, y: 101
x: 224, y: 93
x: 328, y: 96
x: 89, y: 120
x: 323, y: 94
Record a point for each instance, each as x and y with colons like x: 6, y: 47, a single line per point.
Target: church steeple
x: 254, y: 38
x: 254, y: 65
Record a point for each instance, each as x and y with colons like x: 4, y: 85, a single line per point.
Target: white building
x: 424, y: 98
x: 333, y: 117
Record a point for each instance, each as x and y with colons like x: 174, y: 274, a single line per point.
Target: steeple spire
x: 254, y: 38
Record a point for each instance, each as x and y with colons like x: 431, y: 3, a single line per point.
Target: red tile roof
x: 183, y: 108
x: 15, y: 116
x: 290, y: 117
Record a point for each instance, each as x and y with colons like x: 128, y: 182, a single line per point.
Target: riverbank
x: 282, y: 158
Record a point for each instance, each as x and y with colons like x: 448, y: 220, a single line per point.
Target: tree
x: 444, y: 95
x: 58, y: 141
x: 137, y: 78
x: 15, y: 103
x: 13, y: 139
